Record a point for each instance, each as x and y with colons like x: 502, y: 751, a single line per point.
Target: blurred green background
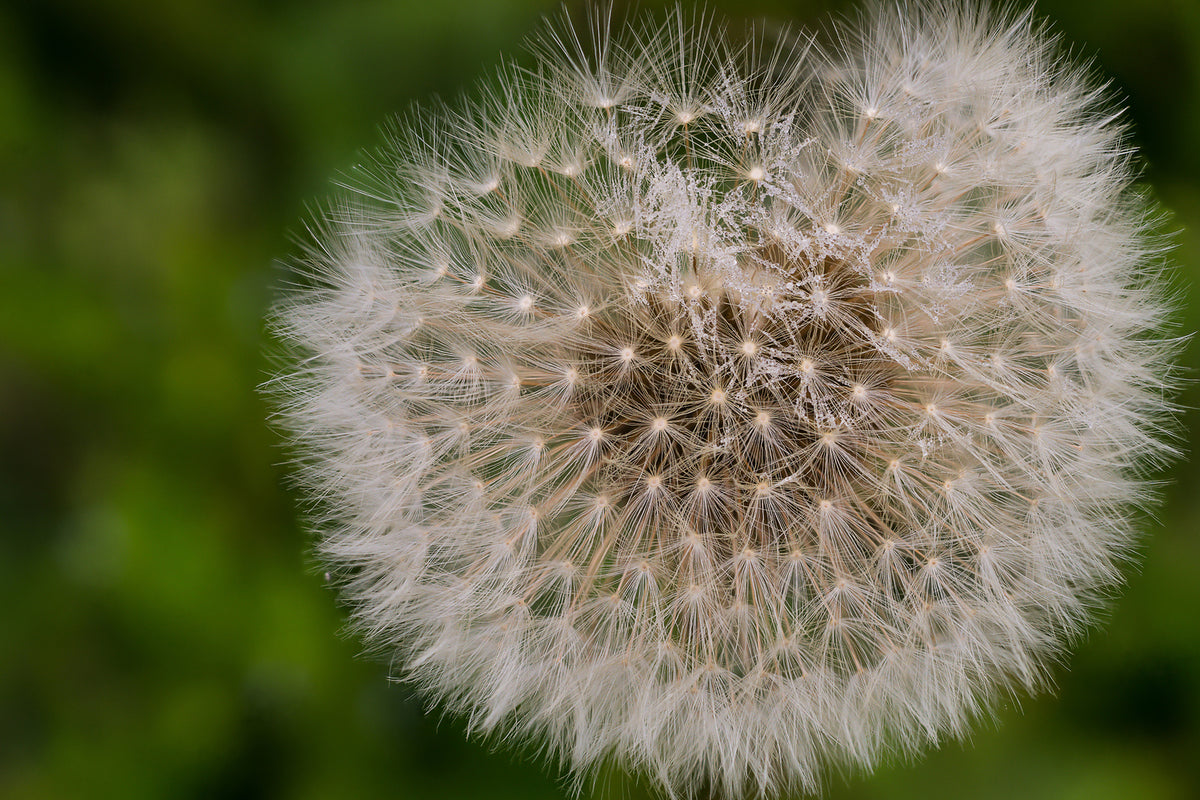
x: 163, y: 632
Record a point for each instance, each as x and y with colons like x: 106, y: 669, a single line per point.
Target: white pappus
x: 731, y: 407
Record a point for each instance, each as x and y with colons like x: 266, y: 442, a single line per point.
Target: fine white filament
x: 731, y: 407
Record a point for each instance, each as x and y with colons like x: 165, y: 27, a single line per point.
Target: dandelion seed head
x: 737, y: 408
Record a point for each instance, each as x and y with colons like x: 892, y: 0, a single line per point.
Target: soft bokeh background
x: 163, y: 633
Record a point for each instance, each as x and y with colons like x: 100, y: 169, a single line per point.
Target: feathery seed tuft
x: 734, y: 407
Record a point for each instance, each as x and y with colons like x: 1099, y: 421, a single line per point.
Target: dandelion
x: 732, y: 408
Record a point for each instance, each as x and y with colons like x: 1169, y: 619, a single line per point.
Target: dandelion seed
x: 619, y: 443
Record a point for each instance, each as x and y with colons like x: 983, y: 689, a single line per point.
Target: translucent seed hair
x: 732, y: 407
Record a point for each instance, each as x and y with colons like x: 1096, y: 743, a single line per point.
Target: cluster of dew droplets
x: 727, y: 407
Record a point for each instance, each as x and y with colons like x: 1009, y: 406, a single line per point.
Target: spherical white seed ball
x: 620, y: 443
